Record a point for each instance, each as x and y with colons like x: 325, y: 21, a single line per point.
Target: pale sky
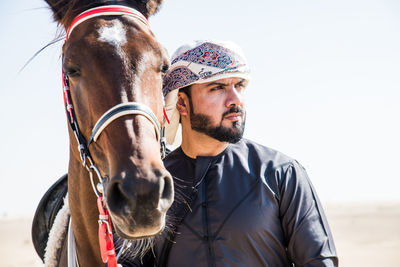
x: 325, y: 90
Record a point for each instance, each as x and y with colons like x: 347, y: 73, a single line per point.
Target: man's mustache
x: 233, y: 110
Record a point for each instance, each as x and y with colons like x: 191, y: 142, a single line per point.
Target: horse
x: 112, y: 69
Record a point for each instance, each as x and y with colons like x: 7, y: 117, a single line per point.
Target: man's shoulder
x: 274, y: 166
x: 256, y: 151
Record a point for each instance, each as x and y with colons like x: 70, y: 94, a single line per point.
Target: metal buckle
x: 82, y: 153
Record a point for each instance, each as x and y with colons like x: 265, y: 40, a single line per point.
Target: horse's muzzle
x: 138, y: 202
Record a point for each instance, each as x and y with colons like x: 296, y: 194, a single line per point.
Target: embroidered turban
x: 200, y: 62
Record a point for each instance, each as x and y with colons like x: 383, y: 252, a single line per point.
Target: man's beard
x: 202, y: 123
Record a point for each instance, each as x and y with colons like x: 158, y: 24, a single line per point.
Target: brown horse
x: 112, y: 69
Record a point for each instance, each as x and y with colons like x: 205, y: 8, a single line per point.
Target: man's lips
x: 233, y: 116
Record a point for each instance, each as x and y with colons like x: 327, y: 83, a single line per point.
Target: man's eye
x: 217, y: 88
x: 240, y: 86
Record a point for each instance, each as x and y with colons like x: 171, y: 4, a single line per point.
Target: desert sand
x: 366, y: 235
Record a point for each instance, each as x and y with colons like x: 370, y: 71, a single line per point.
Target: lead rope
x: 106, y: 241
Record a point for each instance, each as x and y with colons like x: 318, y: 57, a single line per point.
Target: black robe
x: 251, y: 206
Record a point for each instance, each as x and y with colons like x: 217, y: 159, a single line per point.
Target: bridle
x: 123, y: 109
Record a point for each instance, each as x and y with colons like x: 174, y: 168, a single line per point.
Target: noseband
x: 122, y: 109
x: 130, y: 108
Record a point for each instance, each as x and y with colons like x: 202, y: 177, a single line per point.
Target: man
x: 238, y: 203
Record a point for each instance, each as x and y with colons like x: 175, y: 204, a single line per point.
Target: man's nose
x: 235, y: 98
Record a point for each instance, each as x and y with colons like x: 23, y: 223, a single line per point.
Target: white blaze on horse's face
x: 114, y: 34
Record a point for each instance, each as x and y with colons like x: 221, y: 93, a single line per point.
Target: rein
x: 107, y: 249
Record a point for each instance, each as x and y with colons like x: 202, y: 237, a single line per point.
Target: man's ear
x: 182, y: 105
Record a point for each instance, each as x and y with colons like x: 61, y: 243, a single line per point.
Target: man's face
x: 217, y: 109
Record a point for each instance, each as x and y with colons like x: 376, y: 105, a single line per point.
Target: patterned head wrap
x: 200, y: 62
x: 205, y: 61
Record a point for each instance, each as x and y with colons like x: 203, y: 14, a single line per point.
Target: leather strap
x: 129, y: 108
x: 109, y: 10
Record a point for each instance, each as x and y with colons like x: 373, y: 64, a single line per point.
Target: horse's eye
x: 72, y: 72
x: 164, y: 68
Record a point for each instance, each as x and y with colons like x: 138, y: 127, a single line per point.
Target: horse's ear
x: 146, y: 7
x: 64, y: 11
x: 153, y: 6
x: 59, y: 8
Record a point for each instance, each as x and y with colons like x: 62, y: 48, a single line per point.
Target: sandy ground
x: 365, y: 236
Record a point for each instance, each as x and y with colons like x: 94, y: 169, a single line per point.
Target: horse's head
x: 114, y: 61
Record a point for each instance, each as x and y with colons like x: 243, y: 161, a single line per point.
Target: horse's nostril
x: 167, y: 192
x: 116, y: 198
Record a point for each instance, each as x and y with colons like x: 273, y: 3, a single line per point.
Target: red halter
x: 105, y: 11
